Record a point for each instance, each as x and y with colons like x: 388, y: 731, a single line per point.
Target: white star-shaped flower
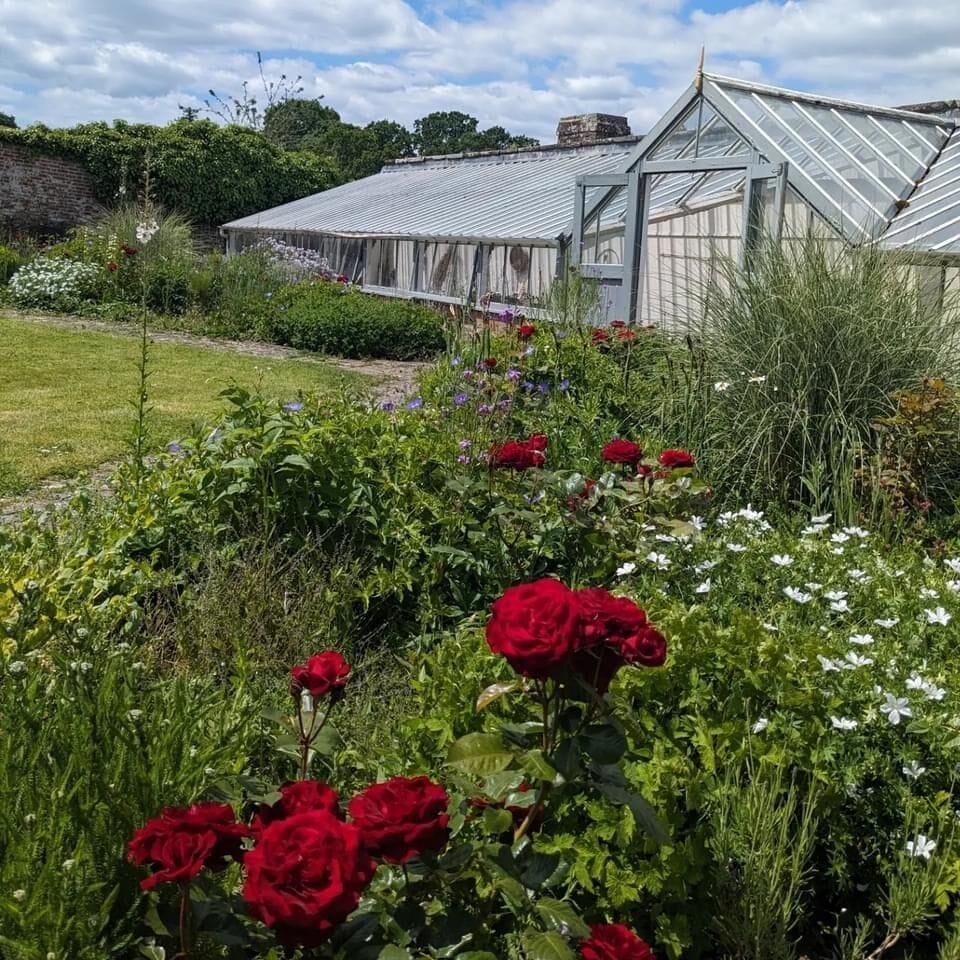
x: 896, y: 708
x: 704, y: 587
x: 624, y: 570
x: 760, y: 725
x: 861, y: 639
x: 921, y: 847
x: 798, y: 596
x: 782, y: 560
x: 843, y: 723
x: 887, y: 623
x: 913, y: 770
x: 939, y: 615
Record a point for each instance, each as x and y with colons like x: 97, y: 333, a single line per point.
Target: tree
x: 393, y: 139
x: 7, y: 120
x: 442, y: 131
x: 294, y: 122
x: 496, y: 138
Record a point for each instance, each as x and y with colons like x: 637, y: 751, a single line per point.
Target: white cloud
x: 519, y: 63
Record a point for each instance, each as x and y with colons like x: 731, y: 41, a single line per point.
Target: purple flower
x: 533, y: 498
x: 463, y: 458
x: 175, y: 448
x: 514, y: 374
x: 503, y: 404
x: 464, y: 444
x: 529, y: 351
x: 564, y: 386
x: 527, y: 385
x: 484, y: 409
x: 543, y: 387
x: 508, y: 315
x: 294, y: 406
x: 467, y: 374
x: 388, y: 406
x: 456, y: 361
x: 460, y: 399
x: 415, y: 404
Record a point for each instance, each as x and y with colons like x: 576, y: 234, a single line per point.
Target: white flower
x: 626, y: 569
x: 760, y: 725
x: 843, y: 723
x: 856, y: 532
x: 835, y: 595
x: 938, y: 616
x: 915, y: 681
x: 757, y: 379
x: 813, y: 529
x: 953, y: 585
x: 722, y: 385
x: 736, y: 547
x: 839, y: 537
x: 748, y: 513
x: 953, y: 563
x: 856, y: 660
x: 813, y: 586
x: 823, y: 518
x: 18, y: 666
x: 661, y: 561
x: 827, y: 664
x: 912, y: 770
x: 69, y: 864
x: 703, y: 587
x: 857, y: 574
x: 840, y: 606
x: 887, y: 623
x: 932, y: 692
x: 698, y: 523
x: 782, y: 560
x: 861, y: 639
x: 772, y: 628
x: 927, y: 594
x: 665, y: 538
x: 921, y: 847
x: 796, y: 595
x: 701, y: 568
x: 19, y: 895
x: 134, y: 714
x: 895, y: 708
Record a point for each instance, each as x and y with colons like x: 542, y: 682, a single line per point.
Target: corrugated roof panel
x: 931, y: 220
x: 523, y: 196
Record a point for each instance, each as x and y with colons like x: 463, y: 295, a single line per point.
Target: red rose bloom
x: 515, y: 455
x: 306, y: 875
x: 179, y: 843
x: 647, y: 647
x: 536, y: 627
x: 525, y: 331
x: 490, y: 362
x: 622, y: 451
x: 112, y: 265
x: 321, y: 674
x: 343, y: 278
x: 614, y: 941
x: 626, y: 335
x: 402, y: 818
x: 599, y: 335
x: 296, y: 797
x: 676, y: 458
x: 618, y: 324
x: 538, y: 442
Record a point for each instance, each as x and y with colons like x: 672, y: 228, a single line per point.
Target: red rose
x: 676, y: 458
x: 618, y: 324
x: 490, y: 362
x: 525, y: 331
x: 402, y: 818
x: 614, y: 632
x: 128, y: 250
x: 343, y: 278
x: 296, y: 797
x: 538, y: 442
x: 536, y: 627
x: 321, y: 674
x: 112, y: 265
x: 306, y: 875
x: 599, y: 335
x: 643, y: 471
x: 622, y: 451
x: 515, y: 455
x: 179, y: 843
x: 626, y: 335
x: 614, y: 941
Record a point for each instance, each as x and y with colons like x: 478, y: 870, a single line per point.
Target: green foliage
x: 208, y: 173
x: 10, y: 262
x: 451, y: 131
x: 7, y: 120
x: 329, y: 318
x: 807, y: 346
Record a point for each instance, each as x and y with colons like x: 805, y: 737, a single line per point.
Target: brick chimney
x: 590, y: 128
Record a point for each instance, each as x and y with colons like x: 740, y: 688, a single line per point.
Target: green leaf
x: 296, y: 460
x: 393, y: 952
x: 494, y: 692
x: 538, y: 869
x: 643, y: 813
x: 545, y: 946
x: 560, y: 916
x: 603, y: 742
x: 496, y: 820
x: 566, y: 758
x: 535, y: 764
x: 479, y: 753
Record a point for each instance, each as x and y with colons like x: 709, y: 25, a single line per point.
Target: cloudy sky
x: 519, y: 63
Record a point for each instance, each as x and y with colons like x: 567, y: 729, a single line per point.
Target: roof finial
x: 698, y: 79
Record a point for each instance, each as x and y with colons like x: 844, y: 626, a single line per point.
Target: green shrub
x: 166, y: 286
x: 10, y: 262
x: 330, y: 318
x: 801, y: 352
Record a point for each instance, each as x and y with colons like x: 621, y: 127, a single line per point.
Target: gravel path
x: 395, y: 380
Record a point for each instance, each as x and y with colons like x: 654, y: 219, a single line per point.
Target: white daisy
x: 659, y: 560
x: 839, y: 537
x: 736, y: 547
x: 887, y: 623
x: 813, y: 586
x: 896, y: 708
x: 798, y: 596
x: 626, y: 569
x: 843, y: 723
x: 760, y: 725
x: 856, y: 660
x: 856, y: 532
x: 857, y: 574
x: 953, y: 585
x: 921, y: 847
x: 835, y: 595
x: 932, y: 692
x: 927, y: 594
x: 828, y: 665
x: 837, y: 551
x: 704, y: 587
x: 813, y: 529
x: 840, y: 606
x: 701, y: 568
x: 698, y: 523
x: 861, y: 639
x: 782, y: 560
x: 939, y: 615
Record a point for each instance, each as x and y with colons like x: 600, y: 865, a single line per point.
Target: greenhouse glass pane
x: 717, y: 137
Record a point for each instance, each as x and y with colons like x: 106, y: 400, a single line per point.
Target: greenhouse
x: 648, y: 217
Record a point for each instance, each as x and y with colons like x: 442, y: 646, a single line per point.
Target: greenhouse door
x: 604, y: 247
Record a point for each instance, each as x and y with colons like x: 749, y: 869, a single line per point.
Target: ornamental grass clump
x: 802, y: 351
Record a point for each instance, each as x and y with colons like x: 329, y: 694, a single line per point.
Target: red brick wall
x: 43, y: 194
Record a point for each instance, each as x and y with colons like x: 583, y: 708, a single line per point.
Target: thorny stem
x: 308, y: 736
x: 184, y: 905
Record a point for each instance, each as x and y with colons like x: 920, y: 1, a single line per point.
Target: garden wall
x: 43, y: 194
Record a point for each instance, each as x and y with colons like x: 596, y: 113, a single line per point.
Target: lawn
x: 66, y: 397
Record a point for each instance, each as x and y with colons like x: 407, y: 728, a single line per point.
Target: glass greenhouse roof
x: 856, y: 164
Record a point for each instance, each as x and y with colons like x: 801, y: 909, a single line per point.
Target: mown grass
x: 66, y: 395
